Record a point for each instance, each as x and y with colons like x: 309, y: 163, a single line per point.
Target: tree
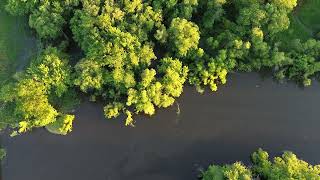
x: 175, y: 8
x: 31, y: 105
x: 152, y: 92
x: 51, y: 68
x: 183, y: 36
x: 47, y: 17
x: 286, y: 167
x: 302, y: 62
x: 119, y: 52
x: 236, y: 171
x: 137, y: 55
x: 63, y: 124
x: 27, y: 99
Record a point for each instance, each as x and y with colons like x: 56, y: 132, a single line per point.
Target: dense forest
x: 137, y: 55
x: 286, y: 167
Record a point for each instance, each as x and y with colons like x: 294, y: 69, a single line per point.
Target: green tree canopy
x: 286, y: 167
x: 136, y: 55
x: 47, y: 17
x: 27, y: 99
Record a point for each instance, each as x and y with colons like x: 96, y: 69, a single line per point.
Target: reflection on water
x: 178, y: 113
x: 217, y: 127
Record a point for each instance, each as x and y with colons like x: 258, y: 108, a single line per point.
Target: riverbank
x: 221, y: 127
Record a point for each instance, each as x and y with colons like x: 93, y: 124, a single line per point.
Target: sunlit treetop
x: 136, y: 55
x: 47, y: 17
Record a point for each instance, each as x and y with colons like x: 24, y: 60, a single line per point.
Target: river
x: 220, y: 127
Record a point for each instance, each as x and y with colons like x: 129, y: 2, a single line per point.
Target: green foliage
x: 175, y: 8
x: 32, y: 108
x: 11, y: 44
x: 67, y: 102
x: 27, y: 99
x: 62, y: 125
x: 183, y: 36
x: 52, y: 69
x: 208, y: 71
x: 286, y: 167
x: 47, y: 17
x: 119, y: 55
x: 151, y: 92
x: 113, y: 109
x: 301, y: 62
x: 137, y: 54
x: 235, y: 171
x: 3, y: 154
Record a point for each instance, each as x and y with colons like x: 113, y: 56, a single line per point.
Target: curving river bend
x: 220, y: 127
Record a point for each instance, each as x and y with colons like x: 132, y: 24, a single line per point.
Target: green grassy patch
x: 309, y: 15
x: 14, y: 39
x: 304, y: 22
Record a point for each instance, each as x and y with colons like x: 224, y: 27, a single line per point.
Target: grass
x: 309, y: 14
x: 13, y: 35
x: 2, y: 154
x: 304, y: 22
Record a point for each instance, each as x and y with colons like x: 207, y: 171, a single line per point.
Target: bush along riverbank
x: 136, y: 56
x: 285, y: 167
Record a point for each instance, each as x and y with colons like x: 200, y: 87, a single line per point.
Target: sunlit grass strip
x: 304, y: 22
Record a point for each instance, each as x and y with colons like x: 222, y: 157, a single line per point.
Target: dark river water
x: 221, y: 127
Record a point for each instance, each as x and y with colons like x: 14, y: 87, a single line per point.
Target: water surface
x: 221, y: 127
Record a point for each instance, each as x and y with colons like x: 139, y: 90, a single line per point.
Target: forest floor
x: 304, y: 22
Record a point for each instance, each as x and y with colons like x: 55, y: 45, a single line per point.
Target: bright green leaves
x: 286, y: 167
x: 174, y: 76
x: 119, y: 53
x: 147, y: 76
x: 28, y: 98
x: 285, y: 4
x: 235, y: 171
x: 141, y: 101
x: 113, y: 109
x: 90, y: 75
x: 175, y: 8
x: 183, y: 36
x: 158, y: 92
x: 128, y: 45
x: 51, y: 68
x: 209, y: 71
x: 47, y: 17
x: 32, y: 108
x: 129, y: 119
x: 157, y: 88
x: 130, y: 6
x: 62, y: 126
